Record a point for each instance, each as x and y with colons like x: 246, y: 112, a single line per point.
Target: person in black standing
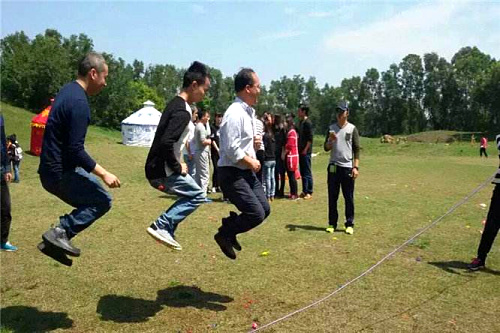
x: 214, y: 150
x: 492, y: 223
x: 305, y: 150
x: 280, y: 141
x: 6, y: 177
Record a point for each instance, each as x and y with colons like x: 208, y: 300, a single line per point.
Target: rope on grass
x: 399, y: 248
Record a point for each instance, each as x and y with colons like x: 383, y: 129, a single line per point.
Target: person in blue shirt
x: 6, y: 177
x: 66, y: 169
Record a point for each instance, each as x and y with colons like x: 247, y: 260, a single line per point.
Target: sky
x: 328, y: 40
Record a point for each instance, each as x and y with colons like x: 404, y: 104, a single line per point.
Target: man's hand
x: 355, y: 173
x: 184, y: 169
x: 255, y: 164
x: 8, y: 177
x: 111, y: 180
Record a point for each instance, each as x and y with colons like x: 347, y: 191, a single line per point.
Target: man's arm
x: 79, y: 119
x: 176, y: 125
x: 355, y: 150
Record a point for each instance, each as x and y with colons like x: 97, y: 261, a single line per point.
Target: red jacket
x: 292, y: 150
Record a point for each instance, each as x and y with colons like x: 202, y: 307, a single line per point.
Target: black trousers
x: 492, y: 225
x: 292, y: 182
x: 279, y: 176
x: 482, y: 151
x: 6, y: 218
x: 215, y: 177
x: 261, y: 156
x: 339, y: 177
x: 244, y: 191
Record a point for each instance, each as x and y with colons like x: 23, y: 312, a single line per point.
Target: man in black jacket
x: 164, y: 169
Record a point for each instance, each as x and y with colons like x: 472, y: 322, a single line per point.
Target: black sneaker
x: 476, y: 264
x: 226, y: 245
x: 55, y: 253
x: 225, y: 222
x: 57, y: 237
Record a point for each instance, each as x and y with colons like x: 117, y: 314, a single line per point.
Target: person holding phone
x: 342, y: 141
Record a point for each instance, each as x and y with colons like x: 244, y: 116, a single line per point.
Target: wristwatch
x: 355, y: 167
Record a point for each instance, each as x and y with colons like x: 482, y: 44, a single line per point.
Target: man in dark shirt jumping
x: 66, y: 170
x: 165, y: 169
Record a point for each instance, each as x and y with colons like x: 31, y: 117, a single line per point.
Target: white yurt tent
x: 139, y: 128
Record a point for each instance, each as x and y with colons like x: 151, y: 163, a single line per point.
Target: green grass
x: 125, y: 282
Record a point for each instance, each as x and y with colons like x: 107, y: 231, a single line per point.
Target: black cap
x: 342, y: 107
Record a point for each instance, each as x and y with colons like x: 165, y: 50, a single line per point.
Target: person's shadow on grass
x: 30, y: 319
x: 459, y: 267
x: 124, y: 309
x: 293, y: 227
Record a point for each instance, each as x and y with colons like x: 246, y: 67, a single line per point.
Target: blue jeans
x: 269, y: 167
x: 82, y: 190
x: 190, y: 165
x: 190, y: 197
x: 306, y: 173
x: 16, y: 171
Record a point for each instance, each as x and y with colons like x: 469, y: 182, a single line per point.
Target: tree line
x: 418, y: 94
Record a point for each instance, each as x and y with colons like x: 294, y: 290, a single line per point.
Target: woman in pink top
x: 482, y: 147
x: 292, y: 155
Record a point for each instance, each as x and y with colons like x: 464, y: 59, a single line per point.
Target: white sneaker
x: 214, y: 190
x: 164, y: 237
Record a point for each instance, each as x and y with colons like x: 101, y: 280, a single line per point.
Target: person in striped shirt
x: 492, y: 222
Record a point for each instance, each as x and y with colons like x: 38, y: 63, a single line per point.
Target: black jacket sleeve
x: 172, y: 133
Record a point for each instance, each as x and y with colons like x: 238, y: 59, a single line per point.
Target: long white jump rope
x: 458, y: 204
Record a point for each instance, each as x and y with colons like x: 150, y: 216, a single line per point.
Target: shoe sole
x: 54, y: 253
x: 157, y: 237
x: 228, y: 253
x: 9, y: 250
x: 475, y: 269
x: 52, y: 242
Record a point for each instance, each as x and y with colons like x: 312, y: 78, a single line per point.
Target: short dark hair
x: 243, y: 78
x: 196, y: 72
x: 202, y: 112
x: 304, y: 108
x: 91, y: 60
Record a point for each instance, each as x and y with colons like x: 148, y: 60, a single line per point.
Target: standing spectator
x: 66, y: 170
x: 214, y: 150
x: 187, y: 153
x: 292, y: 155
x: 202, y: 149
x: 238, y: 165
x: 483, y: 144
x: 164, y: 169
x: 15, y: 153
x: 280, y: 140
x: 259, y: 147
x: 6, y: 177
x: 343, y: 168
x: 492, y: 223
x: 270, y: 158
x: 305, y: 151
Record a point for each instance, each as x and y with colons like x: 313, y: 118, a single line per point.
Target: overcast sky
x: 329, y: 40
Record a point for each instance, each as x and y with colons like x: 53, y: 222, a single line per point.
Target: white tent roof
x: 148, y: 115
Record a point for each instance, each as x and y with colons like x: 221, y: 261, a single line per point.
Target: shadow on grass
x: 293, y: 227
x: 124, y: 309
x: 30, y: 319
x: 459, y: 267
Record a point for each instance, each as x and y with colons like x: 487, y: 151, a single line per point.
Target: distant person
x: 483, y: 144
x: 292, y: 155
x: 66, y: 169
x: 214, y: 150
x: 188, y: 154
x: 306, y: 135
x: 15, y: 153
x: 492, y: 222
x: 269, y: 158
x: 343, y: 143
x: 202, y: 149
x: 259, y: 148
x: 6, y: 177
x: 238, y: 165
x: 280, y: 140
x: 472, y: 140
x: 164, y: 169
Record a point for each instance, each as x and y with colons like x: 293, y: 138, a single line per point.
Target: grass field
x: 125, y: 282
